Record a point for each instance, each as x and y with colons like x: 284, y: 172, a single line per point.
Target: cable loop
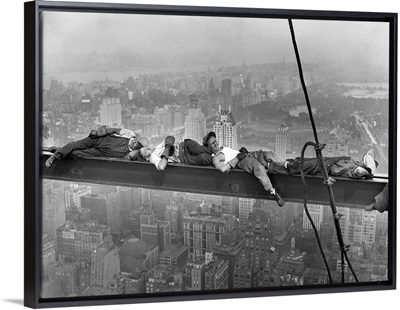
x: 337, y: 216
x: 319, y: 146
x: 330, y: 181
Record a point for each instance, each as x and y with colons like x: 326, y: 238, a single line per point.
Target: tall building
x: 164, y: 118
x: 245, y: 209
x: 316, y: 213
x: 48, y: 254
x: 177, y: 118
x: 216, y: 274
x: 53, y: 207
x: 155, y: 232
x: 110, y: 112
x: 173, y: 215
x: 368, y: 227
x: 127, y: 204
x: 144, y: 196
x: 105, y: 208
x: 254, y: 266
x: 283, y: 142
x: 226, y: 87
x: 174, y: 256
x: 230, y: 253
x: 344, y: 223
x: 203, y: 231
x: 78, y: 240
x: 225, y: 129
x: 281, y: 219
x: 74, y: 193
x: 355, y: 235
x: 105, y: 264
x: 67, y: 277
x: 195, y: 125
x: 195, y: 274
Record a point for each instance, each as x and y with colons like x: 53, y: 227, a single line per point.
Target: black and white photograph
x: 212, y: 154
x: 222, y: 92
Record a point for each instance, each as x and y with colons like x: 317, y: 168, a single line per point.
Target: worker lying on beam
x: 226, y: 158
x: 104, y: 142
x: 188, y: 152
x: 337, y: 166
x: 191, y: 152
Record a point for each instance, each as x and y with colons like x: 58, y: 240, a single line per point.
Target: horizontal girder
x: 207, y: 180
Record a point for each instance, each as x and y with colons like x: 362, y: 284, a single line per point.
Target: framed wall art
x: 184, y: 153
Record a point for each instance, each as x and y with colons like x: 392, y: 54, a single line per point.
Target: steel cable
x: 327, y: 180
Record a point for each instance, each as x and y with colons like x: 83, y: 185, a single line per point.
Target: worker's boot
x: 243, y: 150
x: 279, y: 200
x: 169, y: 147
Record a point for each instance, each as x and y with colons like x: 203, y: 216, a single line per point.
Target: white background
x: 12, y: 153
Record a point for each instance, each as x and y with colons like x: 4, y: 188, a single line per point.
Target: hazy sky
x: 81, y: 41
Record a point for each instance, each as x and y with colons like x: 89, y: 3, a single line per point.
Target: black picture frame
x: 33, y: 149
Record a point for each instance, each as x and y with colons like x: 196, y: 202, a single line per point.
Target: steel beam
x: 207, y: 180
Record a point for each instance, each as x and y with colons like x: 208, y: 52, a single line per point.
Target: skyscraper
x: 253, y: 268
x: 53, y: 207
x: 195, y: 273
x: 283, y: 142
x: 173, y: 215
x: 316, y: 213
x: 74, y: 193
x: 202, y: 232
x: 216, y: 275
x: 368, y: 227
x: 245, y: 209
x: 77, y: 240
x: 110, y: 112
x: 155, y: 232
x: 105, y: 208
x: 48, y: 254
x: 226, y: 87
x: 225, y: 129
x: 105, y: 264
x: 67, y: 276
x: 195, y: 125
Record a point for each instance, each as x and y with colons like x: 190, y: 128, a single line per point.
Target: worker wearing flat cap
x: 226, y: 158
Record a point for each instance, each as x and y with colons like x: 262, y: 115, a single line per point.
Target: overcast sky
x: 80, y: 41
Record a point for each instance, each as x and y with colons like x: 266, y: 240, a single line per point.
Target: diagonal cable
x: 318, y: 149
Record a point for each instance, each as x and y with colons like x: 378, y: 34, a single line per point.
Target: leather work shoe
x: 243, y: 150
x: 169, y: 141
x: 279, y: 200
x: 50, y: 161
x: 169, y: 146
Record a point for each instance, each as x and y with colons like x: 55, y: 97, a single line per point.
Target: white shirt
x: 228, y: 152
x: 155, y: 157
